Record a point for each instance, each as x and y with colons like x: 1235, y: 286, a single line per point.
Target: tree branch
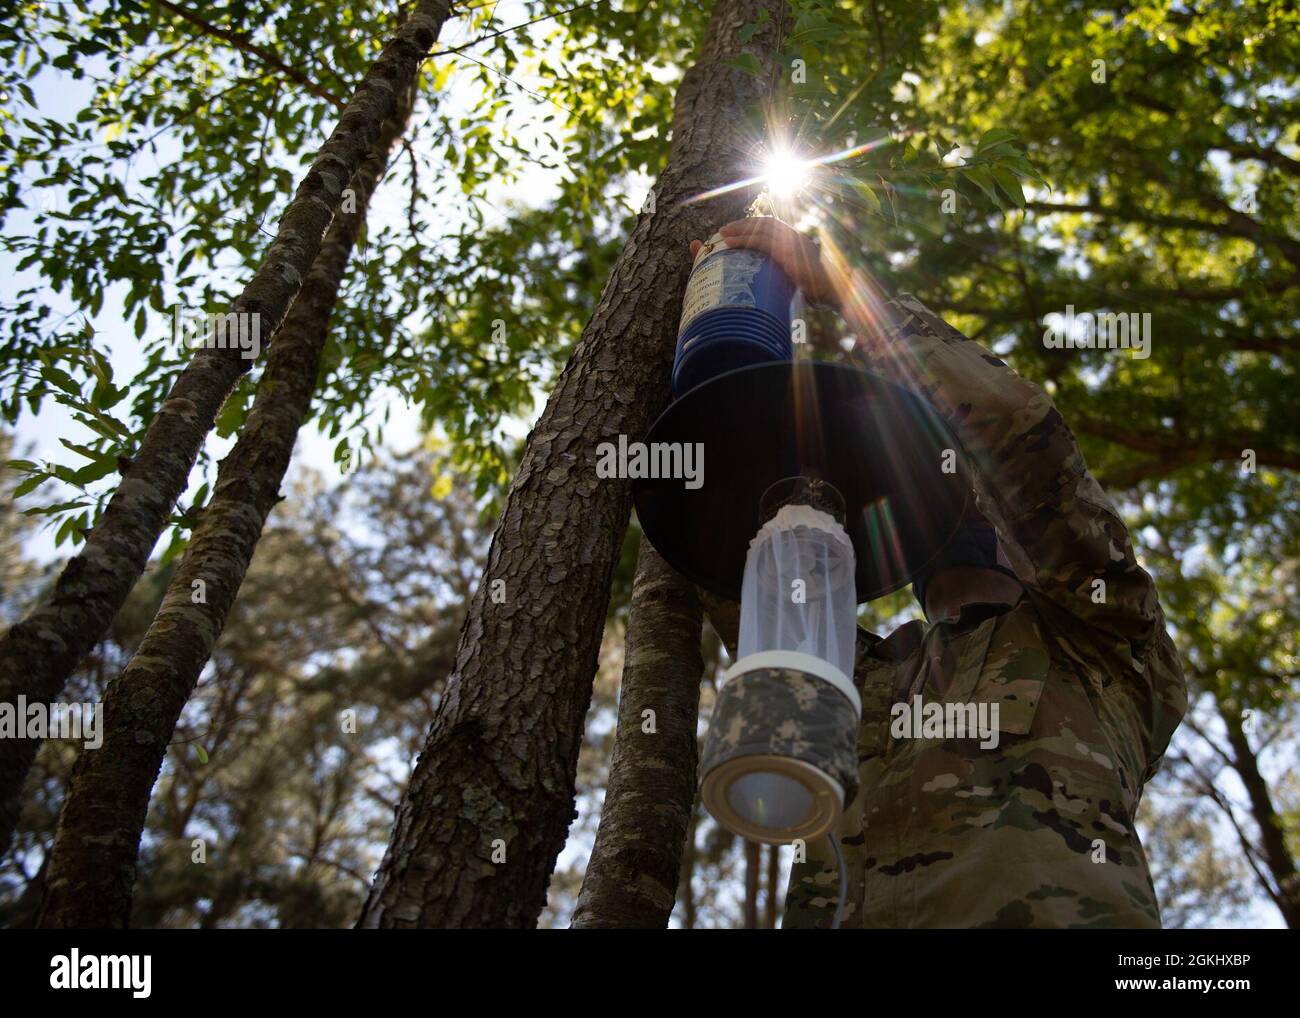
x: 246, y: 45
x: 1172, y: 452
x: 1268, y: 156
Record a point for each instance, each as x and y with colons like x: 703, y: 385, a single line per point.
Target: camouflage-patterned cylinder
x: 780, y: 759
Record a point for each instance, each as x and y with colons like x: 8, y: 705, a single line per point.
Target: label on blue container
x: 722, y: 277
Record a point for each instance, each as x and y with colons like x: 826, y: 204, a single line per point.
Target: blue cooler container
x: 736, y: 313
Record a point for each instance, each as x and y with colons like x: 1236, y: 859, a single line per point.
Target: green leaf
x: 105, y: 425
x: 106, y: 396
x: 60, y: 379
x: 232, y: 415
x: 29, y: 485
x: 65, y: 531
x: 84, y: 450
x: 746, y: 62
x: 868, y: 194
x: 996, y: 136
x: 94, y: 471
x: 100, y: 366
x: 1010, y: 183
x: 174, y: 548
x: 58, y: 507
x: 982, y: 177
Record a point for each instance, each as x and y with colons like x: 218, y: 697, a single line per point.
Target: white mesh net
x: 798, y: 592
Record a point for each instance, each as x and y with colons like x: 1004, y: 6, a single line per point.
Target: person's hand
x: 796, y: 254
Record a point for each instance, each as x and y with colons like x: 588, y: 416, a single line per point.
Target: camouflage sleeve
x: 1058, y: 528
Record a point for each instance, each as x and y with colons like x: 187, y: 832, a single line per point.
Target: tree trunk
x: 491, y: 798
x: 773, y: 893
x: 686, y: 886
x: 724, y: 617
x: 1273, y: 847
x: 753, y: 868
x: 632, y: 876
x: 92, y: 866
x: 38, y: 653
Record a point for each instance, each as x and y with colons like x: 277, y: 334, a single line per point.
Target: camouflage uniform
x: 1037, y: 832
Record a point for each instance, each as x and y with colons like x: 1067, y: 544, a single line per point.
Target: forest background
x: 1013, y: 160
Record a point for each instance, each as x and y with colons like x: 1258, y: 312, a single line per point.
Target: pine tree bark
x: 1277, y: 856
x: 632, y: 876
x: 38, y: 653
x: 92, y: 863
x: 491, y: 798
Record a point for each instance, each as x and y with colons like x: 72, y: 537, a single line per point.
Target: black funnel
x: 880, y: 446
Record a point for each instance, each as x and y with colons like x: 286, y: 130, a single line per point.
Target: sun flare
x: 785, y: 173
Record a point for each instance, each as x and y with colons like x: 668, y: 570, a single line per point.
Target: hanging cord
x: 844, y: 881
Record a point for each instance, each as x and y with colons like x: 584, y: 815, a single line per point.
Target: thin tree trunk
x: 1278, y: 858
x: 686, y: 887
x: 38, y: 653
x: 92, y: 868
x: 632, y: 876
x: 771, y: 896
x: 724, y: 617
x: 489, y: 804
x: 753, y: 868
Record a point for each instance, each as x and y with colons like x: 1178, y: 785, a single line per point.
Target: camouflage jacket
x: 1037, y: 831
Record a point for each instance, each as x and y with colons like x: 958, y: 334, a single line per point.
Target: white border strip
x: 796, y: 661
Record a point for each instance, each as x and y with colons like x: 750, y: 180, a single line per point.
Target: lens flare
x: 785, y: 174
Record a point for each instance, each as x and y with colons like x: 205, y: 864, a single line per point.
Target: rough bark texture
x: 491, y: 798
x: 632, y: 876
x: 1272, y: 840
x: 38, y: 653
x: 92, y: 864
